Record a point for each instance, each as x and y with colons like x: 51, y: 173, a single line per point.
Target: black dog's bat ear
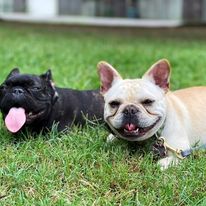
x: 13, y: 72
x: 47, y: 76
x: 55, y: 94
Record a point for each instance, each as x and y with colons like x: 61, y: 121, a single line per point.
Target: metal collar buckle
x: 159, y: 150
x: 177, y: 152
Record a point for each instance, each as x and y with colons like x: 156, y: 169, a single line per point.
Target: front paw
x: 111, y: 138
x: 167, y: 162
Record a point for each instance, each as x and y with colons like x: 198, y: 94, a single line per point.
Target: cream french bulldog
x: 136, y: 109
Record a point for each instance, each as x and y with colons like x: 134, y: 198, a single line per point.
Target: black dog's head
x: 26, y: 99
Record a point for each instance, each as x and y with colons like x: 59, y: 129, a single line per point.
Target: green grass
x: 80, y: 168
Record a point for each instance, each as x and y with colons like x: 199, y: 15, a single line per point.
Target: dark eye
x: 114, y: 104
x: 36, y: 88
x: 147, y: 102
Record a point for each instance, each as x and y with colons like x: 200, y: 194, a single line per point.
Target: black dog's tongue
x: 15, y: 119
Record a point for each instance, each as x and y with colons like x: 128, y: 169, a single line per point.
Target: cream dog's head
x: 135, y: 108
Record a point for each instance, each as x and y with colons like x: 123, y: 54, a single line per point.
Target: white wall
x: 42, y: 8
x: 6, y: 5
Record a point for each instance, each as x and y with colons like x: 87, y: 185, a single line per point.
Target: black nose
x: 18, y: 91
x: 130, y: 110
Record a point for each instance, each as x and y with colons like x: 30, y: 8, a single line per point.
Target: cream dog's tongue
x: 130, y: 127
x: 15, y: 119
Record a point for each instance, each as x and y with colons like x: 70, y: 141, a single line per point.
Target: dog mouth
x: 18, y: 117
x: 32, y: 116
x: 130, y: 130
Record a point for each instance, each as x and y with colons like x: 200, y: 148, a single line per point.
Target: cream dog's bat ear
x: 108, y: 76
x: 159, y: 74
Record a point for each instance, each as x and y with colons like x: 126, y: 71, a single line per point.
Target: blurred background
x: 71, y: 36
x: 174, y: 12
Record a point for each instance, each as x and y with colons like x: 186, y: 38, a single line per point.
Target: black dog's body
x: 44, y: 104
x: 73, y: 107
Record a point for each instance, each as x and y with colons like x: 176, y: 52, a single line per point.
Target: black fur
x: 37, y: 94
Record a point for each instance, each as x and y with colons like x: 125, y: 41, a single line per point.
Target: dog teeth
x: 30, y: 113
x: 137, y: 130
x: 134, y: 131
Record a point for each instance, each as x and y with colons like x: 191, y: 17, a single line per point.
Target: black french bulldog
x: 33, y: 101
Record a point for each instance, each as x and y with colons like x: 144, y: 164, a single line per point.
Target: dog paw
x: 111, y: 138
x: 167, y: 162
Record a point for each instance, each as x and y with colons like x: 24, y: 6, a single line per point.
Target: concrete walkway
x: 92, y: 21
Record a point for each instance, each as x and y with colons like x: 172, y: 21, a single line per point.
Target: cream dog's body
x: 185, y: 123
x: 137, y: 109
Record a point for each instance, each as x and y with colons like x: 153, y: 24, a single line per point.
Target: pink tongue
x: 130, y: 127
x: 15, y: 119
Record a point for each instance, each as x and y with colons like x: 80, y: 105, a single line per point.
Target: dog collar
x: 161, y: 147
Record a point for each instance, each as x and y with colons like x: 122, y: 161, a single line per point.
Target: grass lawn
x: 80, y: 168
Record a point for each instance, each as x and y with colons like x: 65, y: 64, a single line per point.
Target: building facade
x: 183, y: 10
